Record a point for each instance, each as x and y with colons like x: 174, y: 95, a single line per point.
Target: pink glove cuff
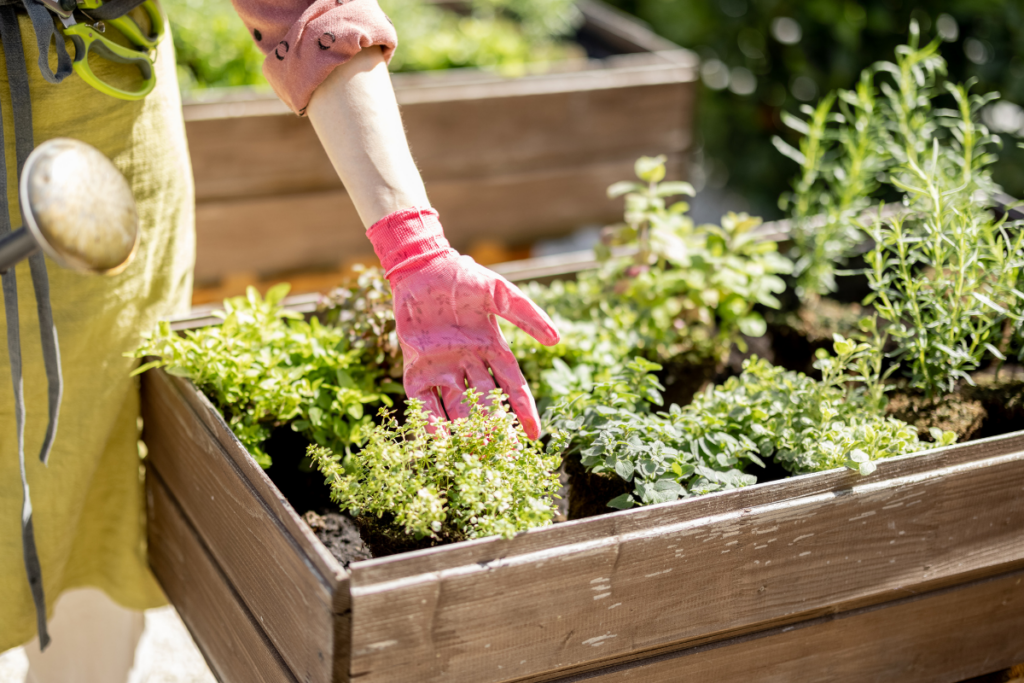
x: 408, y: 240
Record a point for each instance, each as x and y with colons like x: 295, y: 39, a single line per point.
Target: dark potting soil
x: 1004, y: 403
x: 383, y: 537
x: 952, y: 412
x: 307, y: 492
x: 684, y: 379
x: 589, y: 493
x: 340, y: 534
x: 797, y: 335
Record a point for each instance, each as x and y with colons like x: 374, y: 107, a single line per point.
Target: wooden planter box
x: 504, y: 159
x: 915, y: 573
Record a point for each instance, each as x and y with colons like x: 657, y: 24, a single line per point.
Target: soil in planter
x: 383, y: 537
x: 683, y: 379
x: 589, y: 493
x: 1004, y: 403
x: 797, y: 335
x: 306, y: 491
x: 991, y: 408
x: 952, y: 412
x: 340, y: 534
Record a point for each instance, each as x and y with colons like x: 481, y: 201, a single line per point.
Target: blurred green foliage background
x: 762, y: 56
x: 215, y: 50
x: 759, y: 57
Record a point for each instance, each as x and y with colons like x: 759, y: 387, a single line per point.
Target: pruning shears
x: 87, y: 36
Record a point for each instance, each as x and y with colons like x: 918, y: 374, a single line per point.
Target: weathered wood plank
x: 273, y: 569
x: 600, y: 598
x: 231, y: 640
x: 787, y: 491
x: 939, y: 637
x: 610, y: 114
x: 267, y: 235
x: 266, y: 492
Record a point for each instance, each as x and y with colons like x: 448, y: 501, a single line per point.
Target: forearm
x: 355, y: 114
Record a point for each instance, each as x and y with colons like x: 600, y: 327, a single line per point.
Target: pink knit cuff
x: 408, y: 240
x: 304, y: 41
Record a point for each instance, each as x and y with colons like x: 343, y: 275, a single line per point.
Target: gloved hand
x: 444, y: 311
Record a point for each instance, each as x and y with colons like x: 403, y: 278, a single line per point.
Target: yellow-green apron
x: 88, y: 504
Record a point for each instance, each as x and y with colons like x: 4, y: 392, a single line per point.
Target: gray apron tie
x: 17, y: 76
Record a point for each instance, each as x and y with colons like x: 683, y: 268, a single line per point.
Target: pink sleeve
x: 305, y: 39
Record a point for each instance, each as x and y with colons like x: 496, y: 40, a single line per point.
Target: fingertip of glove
x: 550, y: 335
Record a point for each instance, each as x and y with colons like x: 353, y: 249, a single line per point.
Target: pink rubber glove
x: 444, y: 311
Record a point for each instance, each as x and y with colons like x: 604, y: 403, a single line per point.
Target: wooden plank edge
x: 617, y: 71
x: 622, y: 30
x: 328, y: 570
x: 1013, y: 575
x: 582, y: 535
x: 211, y: 577
x: 789, y: 622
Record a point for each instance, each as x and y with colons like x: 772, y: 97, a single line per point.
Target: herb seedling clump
x: 724, y: 437
x: 945, y: 273
x: 265, y: 366
x: 613, y: 431
x: 668, y: 290
x: 478, y: 477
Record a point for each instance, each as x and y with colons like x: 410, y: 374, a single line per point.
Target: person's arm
x: 356, y: 117
x: 330, y: 63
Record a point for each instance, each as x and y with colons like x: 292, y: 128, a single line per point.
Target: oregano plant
x: 264, y: 366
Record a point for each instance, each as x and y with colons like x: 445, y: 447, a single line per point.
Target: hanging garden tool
x: 88, y: 36
x: 86, y: 225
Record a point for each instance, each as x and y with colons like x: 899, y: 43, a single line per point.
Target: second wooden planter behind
x: 504, y: 159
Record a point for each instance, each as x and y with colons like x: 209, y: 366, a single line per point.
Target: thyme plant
x: 479, y: 477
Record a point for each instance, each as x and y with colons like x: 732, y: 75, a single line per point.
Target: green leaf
x: 147, y: 366
x: 624, y: 468
x: 623, y: 502
x: 651, y: 169
x: 622, y: 187
x: 867, y: 468
x: 672, y: 188
x: 277, y: 293
x: 753, y: 325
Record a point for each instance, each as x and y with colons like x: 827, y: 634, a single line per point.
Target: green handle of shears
x: 133, y: 32
x: 86, y: 38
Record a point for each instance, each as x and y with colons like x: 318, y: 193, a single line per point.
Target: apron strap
x: 17, y: 75
x: 42, y: 25
x: 21, y: 104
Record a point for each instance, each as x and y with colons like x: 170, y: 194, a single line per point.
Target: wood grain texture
x: 231, y: 640
x: 648, y: 583
x: 273, y: 568
x: 939, y: 637
x: 636, y: 584
x: 276, y: 233
x: 462, y: 130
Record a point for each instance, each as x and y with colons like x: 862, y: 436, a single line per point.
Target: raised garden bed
x: 913, y: 574
x: 895, y: 559
x: 482, y: 141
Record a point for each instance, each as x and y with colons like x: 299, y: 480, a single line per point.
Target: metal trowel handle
x: 14, y: 247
